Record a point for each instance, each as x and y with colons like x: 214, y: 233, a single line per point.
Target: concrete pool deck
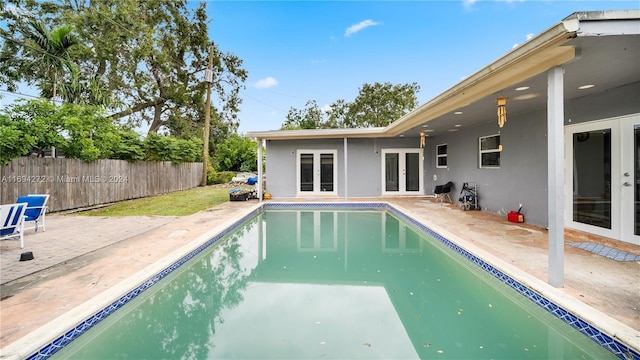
x: 82, y: 262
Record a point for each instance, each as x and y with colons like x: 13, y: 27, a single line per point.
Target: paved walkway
x: 66, y: 238
x: 80, y: 259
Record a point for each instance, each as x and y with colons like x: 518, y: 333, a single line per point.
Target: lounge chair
x: 12, y: 221
x: 36, y: 210
x: 442, y: 192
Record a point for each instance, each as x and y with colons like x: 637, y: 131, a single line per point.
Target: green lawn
x: 179, y: 203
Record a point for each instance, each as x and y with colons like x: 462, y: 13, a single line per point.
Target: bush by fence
x: 73, y: 183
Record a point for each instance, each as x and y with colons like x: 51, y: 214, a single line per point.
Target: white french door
x: 602, y: 183
x: 316, y: 172
x: 402, y: 172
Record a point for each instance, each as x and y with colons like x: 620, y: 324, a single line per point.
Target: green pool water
x: 330, y: 284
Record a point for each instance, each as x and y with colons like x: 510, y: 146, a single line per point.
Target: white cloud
x: 529, y: 37
x: 360, y: 26
x: 326, y: 108
x: 266, y: 83
x: 469, y: 3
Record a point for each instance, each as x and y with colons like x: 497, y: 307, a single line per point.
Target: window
x: 441, y: 156
x: 490, y: 151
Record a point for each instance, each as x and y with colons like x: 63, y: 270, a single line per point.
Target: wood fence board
x: 73, y: 183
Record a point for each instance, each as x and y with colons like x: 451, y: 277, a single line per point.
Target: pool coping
x: 609, y: 333
x: 35, y: 342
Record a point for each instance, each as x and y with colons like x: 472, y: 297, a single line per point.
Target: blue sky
x: 297, y: 51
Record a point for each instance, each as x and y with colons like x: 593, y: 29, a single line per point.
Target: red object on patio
x: 515, y: 216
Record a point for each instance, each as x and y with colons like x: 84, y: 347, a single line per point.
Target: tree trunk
x: 157, y: 119
x: 55, y: 83
x: 137, y: 108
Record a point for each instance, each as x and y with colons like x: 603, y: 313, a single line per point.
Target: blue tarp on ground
x: 252, y: 180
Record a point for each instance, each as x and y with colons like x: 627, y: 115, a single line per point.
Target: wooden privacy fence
x: 73, y: 183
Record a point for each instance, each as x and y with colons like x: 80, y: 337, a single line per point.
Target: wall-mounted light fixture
x: 502, y: 110
x: 423, y: 138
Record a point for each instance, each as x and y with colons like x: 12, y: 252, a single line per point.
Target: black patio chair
x: 442, y: 192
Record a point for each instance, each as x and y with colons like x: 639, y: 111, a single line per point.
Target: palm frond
x: 36, y: 33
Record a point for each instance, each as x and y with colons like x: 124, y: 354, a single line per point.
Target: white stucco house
x: 569, y: 151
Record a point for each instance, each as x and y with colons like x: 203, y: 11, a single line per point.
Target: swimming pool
x: 396, y: 290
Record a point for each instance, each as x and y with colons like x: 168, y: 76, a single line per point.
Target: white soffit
x: 532, y: 58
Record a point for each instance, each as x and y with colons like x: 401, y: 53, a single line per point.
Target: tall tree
x: 49, y: 52
x: 379, y: 104
x: 48, y: 55
x: 46, y: 59
x: 144, y: 60
x: 311, y: 117
x: 337, y: 116
x: 13, y: 14
x: 152, y: 55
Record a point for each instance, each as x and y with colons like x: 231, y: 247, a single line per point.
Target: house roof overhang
x: 554, y: 47
x: 319, y: 133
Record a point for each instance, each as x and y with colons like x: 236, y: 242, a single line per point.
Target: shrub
x: 27, y: 126
x: 131, y: 147
x: 167, y: 148
x: 83, y: 132
x: 223, y: 177
x: 237, y: 153
x: 14, y: 141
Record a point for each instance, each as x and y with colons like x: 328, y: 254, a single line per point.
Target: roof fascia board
x: 537, y: 55
x: 604, y: 23
x: 318, y: 134
x: 630, y: 14
x: 490, y: 85
x: 615, y: 27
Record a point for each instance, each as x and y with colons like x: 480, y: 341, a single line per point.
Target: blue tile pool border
x: 51, y: 348
x: 618, y: 348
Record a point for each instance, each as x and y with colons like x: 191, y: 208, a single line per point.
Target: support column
x: 260, y: 189
x: 555, y: 175
x: 346, y: 168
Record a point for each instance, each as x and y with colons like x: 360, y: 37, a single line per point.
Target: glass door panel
x: 412, y: 177
x: 306, y: 172
x: 326, y: 172
x: 392, y: 169
x: 592, y: 178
